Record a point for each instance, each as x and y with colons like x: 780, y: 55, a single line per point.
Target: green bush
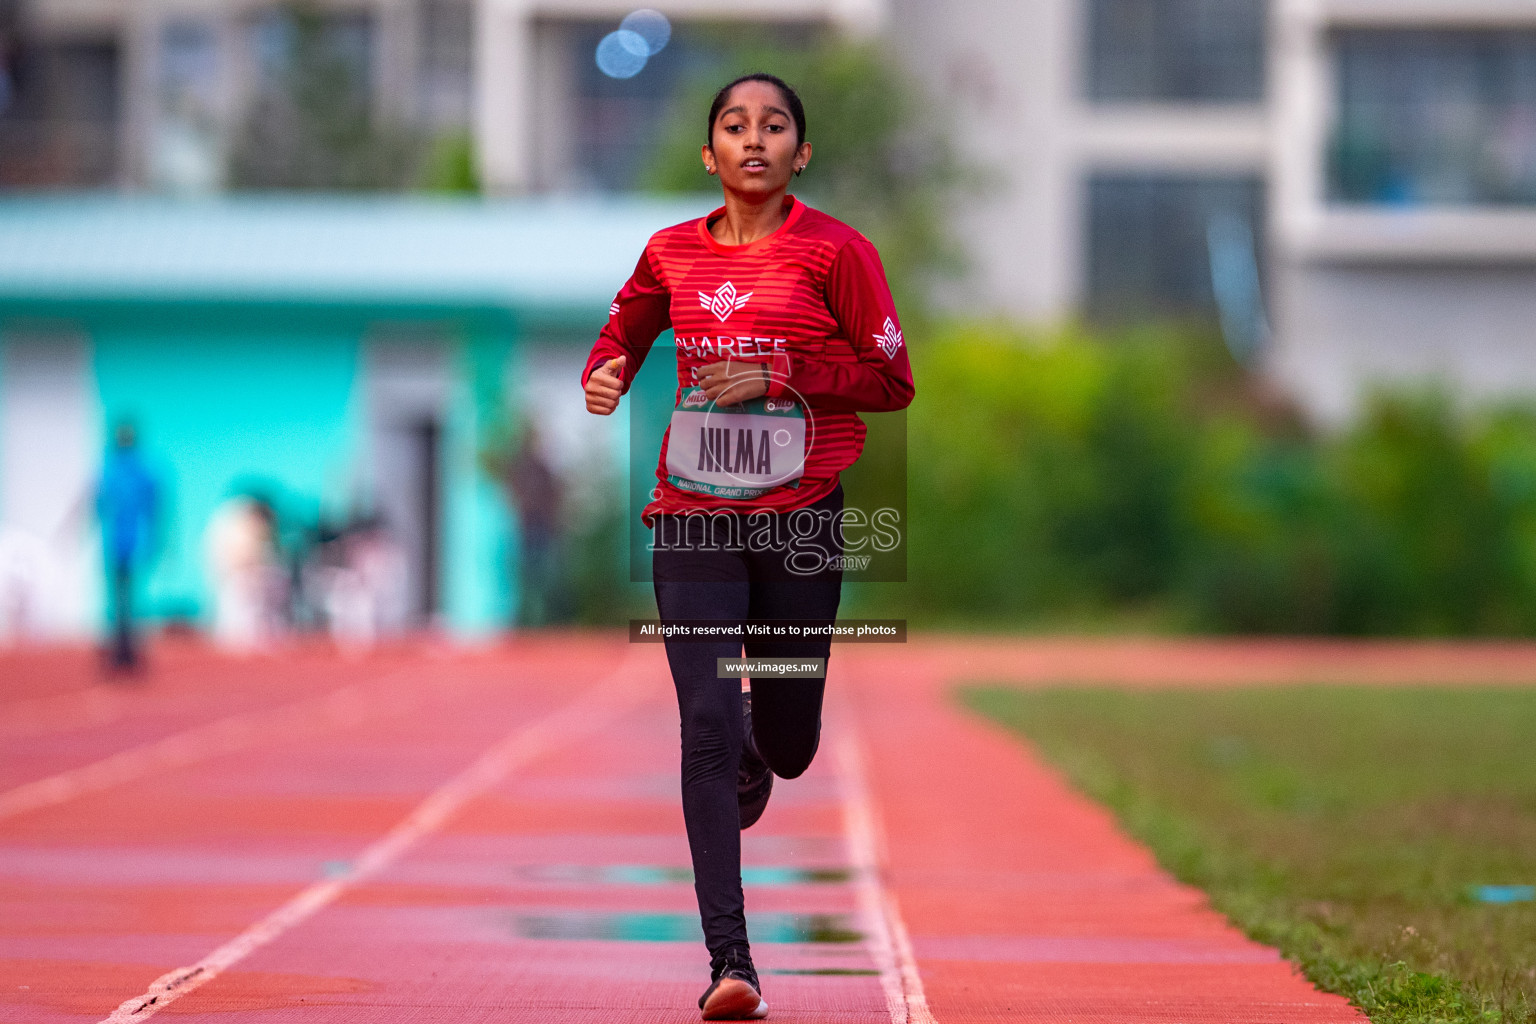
x: 1046, y: 474
x: 1418, y: 521
x: 1070, y: 480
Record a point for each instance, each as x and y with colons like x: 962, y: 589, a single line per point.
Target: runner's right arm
x: 640, y: 312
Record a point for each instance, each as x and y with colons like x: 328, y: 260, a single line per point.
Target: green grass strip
x: 1349, y: 827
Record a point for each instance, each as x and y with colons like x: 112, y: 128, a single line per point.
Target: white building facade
x: 1349, y: 185
x: 1403, y: 196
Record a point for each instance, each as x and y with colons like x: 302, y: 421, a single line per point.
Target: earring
x: 709, y: 170
x: 798, y: 170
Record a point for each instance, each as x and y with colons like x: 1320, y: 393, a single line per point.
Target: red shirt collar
x: 796, y: 208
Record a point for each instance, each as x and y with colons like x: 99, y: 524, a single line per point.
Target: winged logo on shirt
x: 890, y: 339
x: 724, y: 302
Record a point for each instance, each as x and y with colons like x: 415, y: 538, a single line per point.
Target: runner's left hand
x: 732, y: 381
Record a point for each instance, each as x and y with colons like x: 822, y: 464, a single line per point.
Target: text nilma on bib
x: 735, y: 451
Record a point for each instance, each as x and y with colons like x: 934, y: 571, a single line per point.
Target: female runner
x: 785, y: 329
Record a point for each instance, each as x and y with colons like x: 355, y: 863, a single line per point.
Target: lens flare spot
x: 651, y: 26
x: 622, y: 54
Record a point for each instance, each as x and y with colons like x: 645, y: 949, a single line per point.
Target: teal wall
x: 218, y: 406
x: 479, y: 585
x: 228, y: 395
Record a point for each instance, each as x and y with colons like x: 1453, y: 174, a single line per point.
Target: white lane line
x: 888, y: 942
x: 340, y: 708
x: 589, y: 712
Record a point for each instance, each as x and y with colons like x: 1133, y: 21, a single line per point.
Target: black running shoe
x: 754, y: 780
x: 733, y: 993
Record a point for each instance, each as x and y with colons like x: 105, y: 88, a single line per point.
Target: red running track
x: 428, y: 835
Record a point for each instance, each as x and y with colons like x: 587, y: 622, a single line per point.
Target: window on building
x: 1167, y: 245
x: 313, y: 120
x: 58, y: 126
x: 299, y: 41
x: 1176, y: 50
x: 616, y: 120
x: 186, y: 153
x: 10, y: 51
x: 1434, y: 117
x: 447, y: 49
x: 599, y: 133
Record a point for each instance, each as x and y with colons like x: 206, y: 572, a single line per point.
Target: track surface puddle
x: 640, y: 927
x: 648, y: 874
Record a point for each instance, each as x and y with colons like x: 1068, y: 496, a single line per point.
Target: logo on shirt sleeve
x: 613, y: 310
x: 889, y: 340
x: 724, y: 302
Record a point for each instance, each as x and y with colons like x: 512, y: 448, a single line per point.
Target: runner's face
x: 754, y: 144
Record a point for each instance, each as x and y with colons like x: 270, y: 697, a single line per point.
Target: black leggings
x: 714, y: 569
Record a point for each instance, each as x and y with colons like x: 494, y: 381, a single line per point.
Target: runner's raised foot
x: 754, y: 779
x: 733, y: 993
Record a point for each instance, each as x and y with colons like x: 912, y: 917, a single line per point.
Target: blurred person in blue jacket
x: 128, y: 504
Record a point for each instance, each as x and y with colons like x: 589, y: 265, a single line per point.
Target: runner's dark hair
x: 796, y: 108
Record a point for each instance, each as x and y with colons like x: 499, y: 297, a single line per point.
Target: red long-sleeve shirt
x: 810, y: 300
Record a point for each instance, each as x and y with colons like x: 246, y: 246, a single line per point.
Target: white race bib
x: 735, y: 451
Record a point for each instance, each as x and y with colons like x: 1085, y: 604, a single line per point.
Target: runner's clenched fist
x: 605, y: 385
